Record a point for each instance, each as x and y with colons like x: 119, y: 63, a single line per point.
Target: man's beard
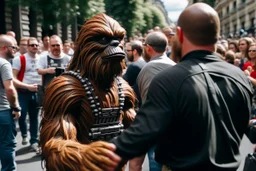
x: 9, y: 55
x: 146, y: 56
x: 130, y: 58
x: 176, y: 50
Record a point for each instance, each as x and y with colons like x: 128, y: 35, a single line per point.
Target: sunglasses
x: 251, y: 50
x: 33, y: 45
x: 55, y: 45
x: 13, y: 47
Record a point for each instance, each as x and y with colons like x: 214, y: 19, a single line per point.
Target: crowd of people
x: 192, y: 87
x: 33, y: 67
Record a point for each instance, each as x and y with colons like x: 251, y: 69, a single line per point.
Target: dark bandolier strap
x: 107, y: 123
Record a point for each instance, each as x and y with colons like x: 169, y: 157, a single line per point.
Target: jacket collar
x: 202, y: 54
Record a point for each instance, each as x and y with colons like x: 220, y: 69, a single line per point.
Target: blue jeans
x: 153, y: 165
x: 7, y: 141
x: 29, y: 104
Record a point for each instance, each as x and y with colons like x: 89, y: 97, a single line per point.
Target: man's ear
x: 135, y: 51
x: 179, y: 34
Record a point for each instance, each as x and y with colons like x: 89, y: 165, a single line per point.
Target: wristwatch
x: 16, y: 109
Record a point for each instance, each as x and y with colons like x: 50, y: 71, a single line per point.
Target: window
x: 227, y: 10
x: 234, y: 5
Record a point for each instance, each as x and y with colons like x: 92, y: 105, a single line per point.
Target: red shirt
x: 245, y: 66
x: 253, y: 74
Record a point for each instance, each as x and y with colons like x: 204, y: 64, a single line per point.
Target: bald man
x: 9, y: 105
x: 11, y: 33
x: 195, y: 118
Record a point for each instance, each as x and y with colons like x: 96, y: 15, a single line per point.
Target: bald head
x: 200, y: 24
x: 157, y: 40
x: 6, y: 40
x: 11, y: 33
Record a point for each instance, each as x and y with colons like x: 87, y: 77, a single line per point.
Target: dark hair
x: 235, y: 43
x: 137, y: 45
x: 157, y: 40
x: 230, y: 56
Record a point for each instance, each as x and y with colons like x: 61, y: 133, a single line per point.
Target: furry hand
x: 100, y: 156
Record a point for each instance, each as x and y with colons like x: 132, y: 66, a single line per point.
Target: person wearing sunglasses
x: 26, y: 81
x: 22, y: 47
x: 9, y: 105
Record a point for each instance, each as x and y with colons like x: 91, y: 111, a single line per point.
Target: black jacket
x: 177, y: 116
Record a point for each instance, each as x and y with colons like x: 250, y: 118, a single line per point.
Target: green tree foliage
x: 88, y: 8
x: 127, y: 13
x: 133, y: 15
x: 147, y: 17
x: 158, y: 17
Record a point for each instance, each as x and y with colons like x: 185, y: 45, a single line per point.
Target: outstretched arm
x: 65, y: 114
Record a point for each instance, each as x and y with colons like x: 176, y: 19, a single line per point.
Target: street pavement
x: 27, y: 161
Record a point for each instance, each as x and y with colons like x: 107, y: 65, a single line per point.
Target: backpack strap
x: 22, y: 67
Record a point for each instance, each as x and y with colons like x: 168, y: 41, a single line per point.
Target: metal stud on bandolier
x: 106, y: 120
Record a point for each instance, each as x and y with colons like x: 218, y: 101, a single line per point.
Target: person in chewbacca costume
x: 88, y: 102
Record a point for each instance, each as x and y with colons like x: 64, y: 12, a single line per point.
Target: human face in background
x: 46, y: 41
x: 129, y: 53
x: 232, y: 47
x: 66, y: 47
x: 243, y: 46
x: 55, y: 46
x: 33, y: 46
x: 252, y: 52
x: 10, y: 50
x: 23, y: 46
x: 146, y: 55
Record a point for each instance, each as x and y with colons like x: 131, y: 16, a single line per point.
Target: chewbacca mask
x: 88, y: 102
x: 99, y: 50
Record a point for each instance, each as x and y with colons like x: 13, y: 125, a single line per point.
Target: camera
x: 59, y: 71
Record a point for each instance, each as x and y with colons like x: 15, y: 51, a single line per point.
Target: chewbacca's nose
x: 114, y: 43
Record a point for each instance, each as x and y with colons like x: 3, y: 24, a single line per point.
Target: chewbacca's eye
x: 104, y: 40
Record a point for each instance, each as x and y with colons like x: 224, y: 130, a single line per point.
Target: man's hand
x: 100, y: 156
x: 16, y: 115
x: 51, y: 70
x: 32, y: 87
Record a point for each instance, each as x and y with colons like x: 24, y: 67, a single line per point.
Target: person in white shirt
x: 27, y: 86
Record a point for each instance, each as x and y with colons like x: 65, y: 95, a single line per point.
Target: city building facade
x: 236, y: 16
x: 26, y: 22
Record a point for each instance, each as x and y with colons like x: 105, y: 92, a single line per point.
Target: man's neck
x: 3, y: 56
x: 156, y: 55
x: 31, y: 54
x: 136, y: 58
x: 192, y: 47
x: 45, y: 48
x: 53, y: 56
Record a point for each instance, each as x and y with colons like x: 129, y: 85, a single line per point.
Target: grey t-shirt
x: 51, y: 61
x: 149, y: 71
x: 5, y: 74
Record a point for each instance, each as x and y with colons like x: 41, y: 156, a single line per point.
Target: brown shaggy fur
x: 67, y: 117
